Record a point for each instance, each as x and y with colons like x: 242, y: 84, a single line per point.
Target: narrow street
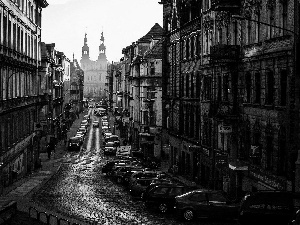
x: 80, y: 190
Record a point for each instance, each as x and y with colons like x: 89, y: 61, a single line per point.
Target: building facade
x: 21, y: 96
x: 95, y: 71
x: 76, y: 91
x: 229, y: 70
x: 140, y: 92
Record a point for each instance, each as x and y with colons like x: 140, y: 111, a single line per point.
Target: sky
x: 65, y: 22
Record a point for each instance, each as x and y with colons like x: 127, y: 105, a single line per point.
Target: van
x: 269, y: 207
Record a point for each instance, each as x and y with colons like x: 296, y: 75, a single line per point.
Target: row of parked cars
x: 75, y: 142
x: 162, y: 192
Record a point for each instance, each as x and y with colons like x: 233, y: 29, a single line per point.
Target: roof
x: 155, y: 32
x: 155, y: 52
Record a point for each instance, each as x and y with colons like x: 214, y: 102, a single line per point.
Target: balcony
x: 224, y: 53
x: 226, y: 5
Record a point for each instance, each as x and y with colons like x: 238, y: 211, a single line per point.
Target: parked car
x: 95, y: 123
x: 105, y: 123
x: 269, y: 207
x: 206, y: 204
x: 104, y: 118
x: 87, y: 117
x: 114, y: 138
x: 105, y: 129
x: 106, y: 136
x: 139, y: 186
x: 120, y: 174
x: 82, y: 129
x: 143, y: 174
x: 84, y: 123
x: 110, y: 148
x: 108, y: 166
x: 74, y: 144
x: 162, y: 196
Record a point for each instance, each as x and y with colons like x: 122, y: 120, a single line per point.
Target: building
x: 76, y: 91
x: 94, y: 71
x: 140, y: 92
x: 230, y: 105
x: 55, y: 70
x: 21, y: 95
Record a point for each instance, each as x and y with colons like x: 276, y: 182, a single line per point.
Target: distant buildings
x: 95, y: 71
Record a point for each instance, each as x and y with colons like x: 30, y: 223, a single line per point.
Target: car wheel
x: 162, y: 207
x: 188, y: 215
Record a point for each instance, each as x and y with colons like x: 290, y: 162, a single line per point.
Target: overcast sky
x: 64, y: 22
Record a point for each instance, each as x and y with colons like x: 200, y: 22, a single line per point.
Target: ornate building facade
x: 230, y: 73
x: 21, y: 95
x: 94, y: 71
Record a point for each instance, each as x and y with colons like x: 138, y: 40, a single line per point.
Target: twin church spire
x: 86, y: 50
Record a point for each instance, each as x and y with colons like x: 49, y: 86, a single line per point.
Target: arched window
x: 269, y: 147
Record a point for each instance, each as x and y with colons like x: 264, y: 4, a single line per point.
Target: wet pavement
x: 79, y: 190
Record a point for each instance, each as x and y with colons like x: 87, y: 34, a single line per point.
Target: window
x: 198, y: 197
x: 175, y: 191
x: 219, y: 97
x: 248, y: 85
x: 198, y: 86
x: 269, y: 151
x: 272, y: 21
x: 192, y: 85
x: 282, y: 157
x: 283, y: 87
x: 257, y: 88
x: 216, y: 197
x: 249, y: 32
x: 257, y: 28
x: 198, y: 44
x: 192, y: 46
x: 270, y: 88
x: 187, y: 48
x: 284, y: 9
x: 161, y: 191
x: 225, y: 87
x: 187, y: 84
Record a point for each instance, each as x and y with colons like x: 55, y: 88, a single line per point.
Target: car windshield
x: 74, y: 140
x: 113, y: 138
x: 109, y: 144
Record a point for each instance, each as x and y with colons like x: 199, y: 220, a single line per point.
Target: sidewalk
x: 22, y: 190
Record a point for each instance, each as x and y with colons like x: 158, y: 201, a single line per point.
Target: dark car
x: 74, y: 143
x: 162, y: 196
x: 110, y: 148
x: 96, y: 124
x: 206, y: 204
x: 139, y: 186
x: 143, y: 174
x: 114, y: 138
x: 269, y: 207
x: 122, y: 175
x: 107, y: 168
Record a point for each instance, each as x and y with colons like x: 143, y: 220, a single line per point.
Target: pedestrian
x: 49, y: 151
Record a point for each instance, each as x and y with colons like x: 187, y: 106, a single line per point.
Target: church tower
x: 94, y: 71
x: 85, y: 49
x: 102, y: 48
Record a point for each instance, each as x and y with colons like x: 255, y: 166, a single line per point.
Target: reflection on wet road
x: 80, y: 190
